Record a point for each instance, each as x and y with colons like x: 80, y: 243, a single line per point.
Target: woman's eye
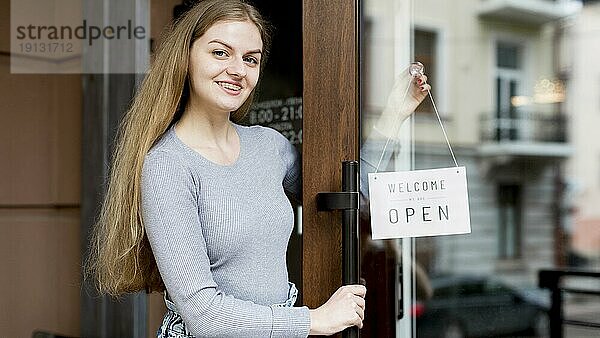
x: 251, y: 59
x: 219, y: 53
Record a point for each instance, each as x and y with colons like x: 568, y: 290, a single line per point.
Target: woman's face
x: 224, y: 65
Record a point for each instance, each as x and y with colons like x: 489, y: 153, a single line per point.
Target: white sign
x: 419, y: 203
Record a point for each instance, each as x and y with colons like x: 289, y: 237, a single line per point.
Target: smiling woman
x: 224, y: 69
x: 196, y: 205
x: 223, y: 72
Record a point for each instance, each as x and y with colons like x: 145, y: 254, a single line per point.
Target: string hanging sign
x: 419, y: 203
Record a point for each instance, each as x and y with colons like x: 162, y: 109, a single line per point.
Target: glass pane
x: 503, y: 82
x: 517, y: 90
x: 385, y: 52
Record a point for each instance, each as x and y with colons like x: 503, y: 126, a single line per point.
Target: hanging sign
x: 419, y: 203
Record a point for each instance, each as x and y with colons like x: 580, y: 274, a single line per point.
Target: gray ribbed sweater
x: 220, y: 234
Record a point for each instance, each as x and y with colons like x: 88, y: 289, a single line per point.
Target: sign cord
x: 396, y: 126
x: 442, y: 125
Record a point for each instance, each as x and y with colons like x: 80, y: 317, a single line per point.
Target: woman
x: 196, y: 204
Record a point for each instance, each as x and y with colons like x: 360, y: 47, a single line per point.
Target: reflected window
x: 508, y: 55
x: 509, y: 79
x: 509, y: 237
x: 426, y: 53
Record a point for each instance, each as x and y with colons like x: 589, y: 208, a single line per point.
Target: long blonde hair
x: 120, y: 258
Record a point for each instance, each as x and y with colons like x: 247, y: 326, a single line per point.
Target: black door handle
x: 348, y: 202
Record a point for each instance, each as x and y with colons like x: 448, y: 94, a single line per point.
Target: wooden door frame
x: 330, y: 134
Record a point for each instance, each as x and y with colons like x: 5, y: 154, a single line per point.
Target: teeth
x: 229, y: 86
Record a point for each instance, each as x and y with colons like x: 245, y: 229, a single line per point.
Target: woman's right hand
x: 345, y: 308
x: 406, y: 95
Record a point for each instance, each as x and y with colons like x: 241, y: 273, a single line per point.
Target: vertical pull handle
x: 350, y: 231
x: 347, y: 202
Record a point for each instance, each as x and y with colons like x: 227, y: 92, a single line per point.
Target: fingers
x: 420, y: 80
x: 355, y: 295
x: 356, y: 301
x: 422, y: 85
x: 359, y: 320
x: 358, y: 306
x: 349, y: 299
x: 356, y: 316
x: 345, y: 308
x: 355, y: 289
x: 360, y: 302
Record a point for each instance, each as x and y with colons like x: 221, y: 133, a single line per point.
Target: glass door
x: 386, y: 265
x: 497, y: 81
x: 499, y: 76
x: 485, y: 63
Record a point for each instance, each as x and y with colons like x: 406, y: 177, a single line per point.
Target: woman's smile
x: 231, y: 88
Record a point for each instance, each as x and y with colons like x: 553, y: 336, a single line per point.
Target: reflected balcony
x: 527, y: 12
x: 524, y: 134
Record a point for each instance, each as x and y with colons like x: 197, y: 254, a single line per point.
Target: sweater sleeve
x: 170, y: 216
x: 370, y: 156
x: 292, y: 182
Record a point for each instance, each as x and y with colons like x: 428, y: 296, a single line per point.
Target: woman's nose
x: 236, y: 67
